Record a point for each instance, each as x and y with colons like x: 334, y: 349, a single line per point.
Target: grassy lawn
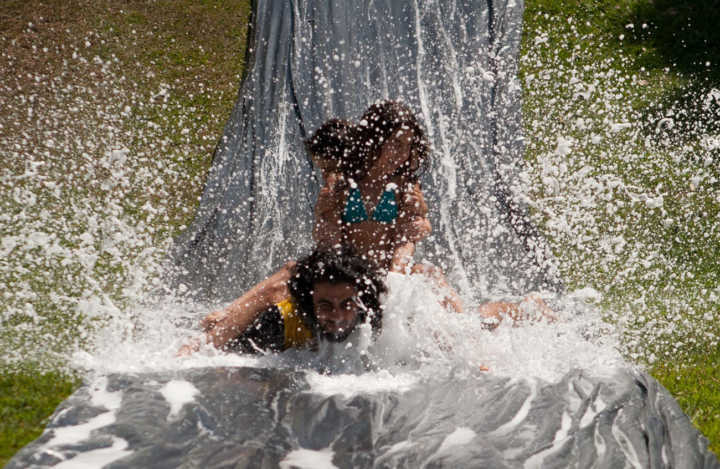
x: 27, y: 398
x: 695, y: 383
x: 112, y: 110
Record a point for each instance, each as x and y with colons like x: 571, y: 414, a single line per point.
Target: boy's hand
x: 211, y: 320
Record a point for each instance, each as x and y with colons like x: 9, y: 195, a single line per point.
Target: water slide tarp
x: 268, y: 418
x: 452, y: 61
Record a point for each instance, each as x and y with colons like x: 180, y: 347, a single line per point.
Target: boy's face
x: 337, y: 309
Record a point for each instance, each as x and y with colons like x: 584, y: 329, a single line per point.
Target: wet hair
x: 337, y: 265
x: 381, y: 122
x: 333, y: 141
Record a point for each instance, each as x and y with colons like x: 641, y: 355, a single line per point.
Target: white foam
x: 420, y: 340
x: 400, y: 447
x: 349, y: 385
x: 308, y: 459
x: 565, y: 425
x: 100, y: 397
x: 63, y: 436
x: 520, y: 415
x: 418, y: 331
x: 624, y: 442
x: 178, y: 393
x: 461, y: 436
x: 151, y: 341
x: 96, y: 458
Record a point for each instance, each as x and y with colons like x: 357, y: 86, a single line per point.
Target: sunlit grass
x: 27, y: 397
x: 694, y: 382
x: 111, y: 114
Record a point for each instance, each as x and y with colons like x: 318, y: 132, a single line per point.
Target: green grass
x: 595, y: 37
x: 694, y: 383
x: 193, y: 49
x: 27, y: 398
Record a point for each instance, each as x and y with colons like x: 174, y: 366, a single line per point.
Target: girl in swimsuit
x: 382, y: 216
x: 375, y: 203
x: 327, y: 147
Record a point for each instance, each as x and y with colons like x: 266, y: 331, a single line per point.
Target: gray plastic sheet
x: 252, y: 417
x: 452, y: 61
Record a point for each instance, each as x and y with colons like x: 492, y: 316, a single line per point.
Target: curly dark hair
x: 379, y: 123
x: 333, y: 141
x: 340, y: 265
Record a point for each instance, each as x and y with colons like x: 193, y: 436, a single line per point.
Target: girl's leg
x: 495, y: 311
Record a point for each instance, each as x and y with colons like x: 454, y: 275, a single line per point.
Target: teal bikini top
x: 386, y: 211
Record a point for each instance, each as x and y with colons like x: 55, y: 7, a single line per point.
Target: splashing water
x: 623, y: 194
x: 85, y: 230
x: 420, y: 340
x: 88, y: 181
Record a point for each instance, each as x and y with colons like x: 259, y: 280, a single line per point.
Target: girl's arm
x: 328, y: 229
x: 402, y: 257
x: 413, y: 226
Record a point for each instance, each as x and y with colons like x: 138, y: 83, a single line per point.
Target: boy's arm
x: 224, y: 325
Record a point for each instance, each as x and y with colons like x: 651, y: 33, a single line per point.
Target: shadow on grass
x: 684, y: 33
x: 681, y: 37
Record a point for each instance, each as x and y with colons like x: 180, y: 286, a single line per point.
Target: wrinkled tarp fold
x: 250, y: 417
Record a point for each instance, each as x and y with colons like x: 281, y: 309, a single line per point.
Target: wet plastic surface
x: 250, y: 417
x: 454, y: 63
